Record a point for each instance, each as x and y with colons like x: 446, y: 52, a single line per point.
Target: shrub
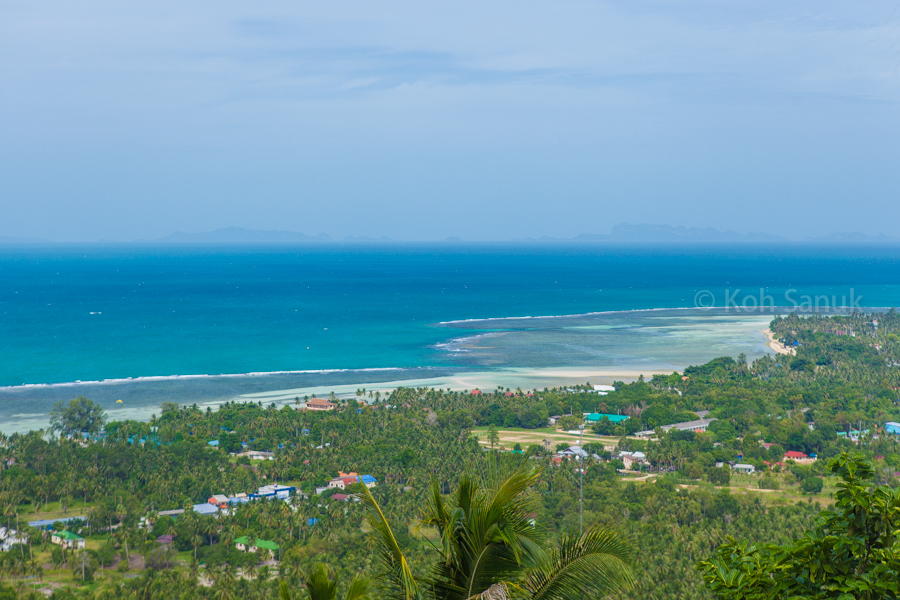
x: 768, y: 483
x: 812, y: 485
x: 569, y: 422
x: 720, y: 476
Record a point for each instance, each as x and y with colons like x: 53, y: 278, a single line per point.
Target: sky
x: 422, y: 120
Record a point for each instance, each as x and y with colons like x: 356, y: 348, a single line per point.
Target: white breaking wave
x: 587, y: 314
x: 203, y: 376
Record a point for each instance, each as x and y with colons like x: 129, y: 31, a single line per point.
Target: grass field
x: 788, y: 492
x: 510, y: 436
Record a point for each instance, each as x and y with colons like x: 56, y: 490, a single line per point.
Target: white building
x: 699, y: 425
x: 9, y: 538
x: 67, y: 539
x: 744, y: 468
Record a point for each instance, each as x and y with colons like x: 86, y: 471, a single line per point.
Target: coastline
x: 560, y: 352
x: 774, y: 344
x: 459, y: 381
x: 525, y: 378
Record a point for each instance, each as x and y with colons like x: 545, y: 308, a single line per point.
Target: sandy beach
x: 775, y: 344
x: 527, y: 379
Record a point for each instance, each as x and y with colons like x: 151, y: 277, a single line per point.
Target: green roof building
x: 264, y: 544
x: 595, y: 417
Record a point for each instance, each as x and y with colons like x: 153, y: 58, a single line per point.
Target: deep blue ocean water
x: 94, y: 313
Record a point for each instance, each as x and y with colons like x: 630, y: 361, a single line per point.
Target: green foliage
x: 80, y: 415
x: 569, y: 422
x: 768, y: 483
x: 321, y: 584
x: 812, y: 485
x: 488, y: 546
x: 418, y: 434
x: 852, y: 553
x: 720, y: 476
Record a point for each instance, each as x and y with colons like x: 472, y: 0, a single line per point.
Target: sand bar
x: 527, y: 379
x: 774, y: 344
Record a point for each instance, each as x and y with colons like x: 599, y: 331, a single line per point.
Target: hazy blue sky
x: 417, y: 120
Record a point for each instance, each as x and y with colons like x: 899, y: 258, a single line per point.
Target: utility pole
x: 581, y: 495
x: 580, y: 484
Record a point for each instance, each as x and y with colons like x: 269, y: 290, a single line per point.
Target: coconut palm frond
x: 487, y: 539
x: 359, y: 588
x: 498, y: 591
x: 285, y: 591
x: 589, y: 566
x: 321, y: 583
x: 397, y: 578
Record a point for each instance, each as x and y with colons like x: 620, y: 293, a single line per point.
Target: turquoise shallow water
x: 93, y: 313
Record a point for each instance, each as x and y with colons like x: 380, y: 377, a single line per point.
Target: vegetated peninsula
x: 396, y: 496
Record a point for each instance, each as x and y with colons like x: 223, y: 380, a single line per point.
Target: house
x: 892, y: 427
x: 67, y: 539
x: 574, y: 451
x: 258, y: 546
x: 281, y: 492
x: 206, y: 509
x: 165, y: 539
x: 343, y: 480
x: 630, y: 459
x: 341, y: 497
x: 475, y: 392
x: 744, y: 468
x: 343, y: 483
x: 219, y: 500
x: 798, y: 457
x: 319, y: 404
x: 603, y: 388
x: 9, y: 538
x: 258, y: 455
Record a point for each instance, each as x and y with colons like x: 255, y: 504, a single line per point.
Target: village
x: 56, y: 531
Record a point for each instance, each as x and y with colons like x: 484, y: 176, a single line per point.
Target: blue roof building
x: 206, y: 509
x: 48, y: 523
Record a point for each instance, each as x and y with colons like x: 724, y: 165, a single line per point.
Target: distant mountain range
x: 6, y: 239
x: 854, y: 238
x: 664, y: 234
x: 239, y: 235
x: 624, y: 233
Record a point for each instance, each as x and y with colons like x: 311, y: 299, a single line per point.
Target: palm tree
x: 321, y: 583
x: 490, y: 548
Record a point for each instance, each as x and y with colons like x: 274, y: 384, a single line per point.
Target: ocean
x: 147, y: 324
